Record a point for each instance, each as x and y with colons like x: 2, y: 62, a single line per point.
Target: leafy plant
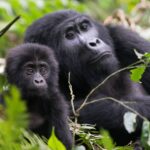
x: 54, y: 142
x: 13, y: 125
x: 13, y: 121
x: 136, y: 75
x: 28, y: 12
x: 137, y: 72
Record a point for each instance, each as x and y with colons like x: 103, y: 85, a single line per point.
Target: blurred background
x: 131, y: 13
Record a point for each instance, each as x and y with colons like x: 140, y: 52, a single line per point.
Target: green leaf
x: 129, y: 121
x: 145, y: 138
x: 136, y: 74
x: 19, y: 115
x: 32, y: 141
x: 124, y: 148
x: 13, y: 121
x: 54, y: 143
x: 147, y: 56
x: 106, y: 140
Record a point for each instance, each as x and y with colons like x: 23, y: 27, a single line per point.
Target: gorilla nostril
x: 92, y: 44
x: 98, y: 41
x: 38, y: 81
x: 41, y: 81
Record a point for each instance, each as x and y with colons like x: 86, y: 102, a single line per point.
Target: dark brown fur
x: 48, y: 108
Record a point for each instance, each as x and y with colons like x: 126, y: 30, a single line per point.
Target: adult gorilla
x: 91, y: 52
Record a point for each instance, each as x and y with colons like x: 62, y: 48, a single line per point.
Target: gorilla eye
x: 43, y: 70
x: 84, y: 26
x: 29, y: 71
x: 70, y: 35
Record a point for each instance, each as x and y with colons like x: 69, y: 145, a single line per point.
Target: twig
x: 8, y: 26
x: 72, y: 95
x: 72, y: 105
x: 117, y: 101
x: 104, y: 81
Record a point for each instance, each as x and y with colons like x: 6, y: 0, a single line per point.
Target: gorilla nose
x: 38, y: 82
x: 94, y: 43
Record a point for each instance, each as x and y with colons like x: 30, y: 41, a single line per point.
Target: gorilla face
x: 35, y: 74
x: 33, y: 69
x: 81, y: 44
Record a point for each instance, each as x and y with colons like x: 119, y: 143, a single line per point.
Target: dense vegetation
x: 13, y: 122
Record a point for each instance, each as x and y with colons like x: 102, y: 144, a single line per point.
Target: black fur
x: 84, y: 60
x: 126, y: 41
x: 46, y: 105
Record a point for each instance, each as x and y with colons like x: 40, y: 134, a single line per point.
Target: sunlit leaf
x: 123, y: 148
x: 16, y: 115
x: 54, y: 143
x: 106, y: 140
x: 136, y: 74
x: 147, y: 56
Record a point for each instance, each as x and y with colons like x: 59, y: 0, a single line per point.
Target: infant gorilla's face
x: 33, y: 69
x: 35, y: 74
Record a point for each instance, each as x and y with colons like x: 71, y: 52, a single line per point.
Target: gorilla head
x: 33, y: 69
x: 82, y: 46
x: 81, y: 43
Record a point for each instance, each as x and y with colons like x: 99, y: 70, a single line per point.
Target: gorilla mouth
x: 100, y: 57
x: 37, y: 91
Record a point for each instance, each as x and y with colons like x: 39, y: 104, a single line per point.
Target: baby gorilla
x: 34, y: 70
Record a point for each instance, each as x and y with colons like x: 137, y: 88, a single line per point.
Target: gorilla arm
x: 108, y: 114
x: 125, y: 42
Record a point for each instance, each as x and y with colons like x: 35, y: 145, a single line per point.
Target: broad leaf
x: 107, y: 141
x: 136, y: 74
x: 147, y: 56
x: 54, y: 143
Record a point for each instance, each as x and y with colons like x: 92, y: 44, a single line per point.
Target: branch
x: 104, y: 81
x: 72, y: 96
x: 119, y: 102
x: 3, y: 31
x: 73, y: 108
